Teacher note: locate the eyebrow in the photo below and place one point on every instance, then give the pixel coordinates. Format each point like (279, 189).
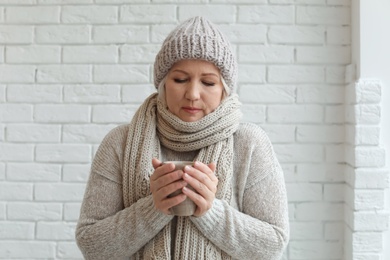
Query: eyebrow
(203, 74)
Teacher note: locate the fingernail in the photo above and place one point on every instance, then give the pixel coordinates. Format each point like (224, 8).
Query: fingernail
(187, 167)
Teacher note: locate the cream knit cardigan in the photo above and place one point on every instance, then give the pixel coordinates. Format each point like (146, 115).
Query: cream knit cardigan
(253, 226)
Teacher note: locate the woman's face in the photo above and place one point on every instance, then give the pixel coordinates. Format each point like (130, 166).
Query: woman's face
(193, 89)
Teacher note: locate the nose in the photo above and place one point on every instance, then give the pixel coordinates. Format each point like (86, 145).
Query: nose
(193, 90)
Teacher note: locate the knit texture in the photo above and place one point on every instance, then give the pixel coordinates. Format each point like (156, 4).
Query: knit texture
(253, 225)
(212, 135)
(197, 38)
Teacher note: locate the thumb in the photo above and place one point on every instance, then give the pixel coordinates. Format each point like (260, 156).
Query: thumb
(156, 163)
(212, 166)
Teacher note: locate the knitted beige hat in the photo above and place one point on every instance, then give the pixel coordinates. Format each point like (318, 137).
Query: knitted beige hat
(197, 38)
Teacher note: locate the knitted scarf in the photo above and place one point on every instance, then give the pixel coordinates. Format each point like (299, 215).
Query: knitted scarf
(212, 135)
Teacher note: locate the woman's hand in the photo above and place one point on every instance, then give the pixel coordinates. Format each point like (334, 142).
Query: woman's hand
(164, 181)
(202, 178)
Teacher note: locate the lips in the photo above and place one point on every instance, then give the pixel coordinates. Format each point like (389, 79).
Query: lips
(191, 110)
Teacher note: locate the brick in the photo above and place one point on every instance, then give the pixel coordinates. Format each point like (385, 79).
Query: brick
(32, 172)
(323, 15)
(34, 211)
(324, 55)
(216, 14)
(72, 211)
(335, 114)
(339, 2)
(280, 133)
(34, 93)
(365, 92)
(160, 31)
(361, 200)
(287, 153)
(335, 153)
(1, 14)
(252, 73)
(136, 93)
(2, 93)
(17, 2)
(90, 54)
(121, 1)
(16, 152)
(16, 113)
(315, 249)
(2, 171)
(17, 73)
(33, 14)
(239, 1)
(76, 172)
(306, 230)
(366, 156)
(253, 113)
(367, 221)
(62, 113)
(295, 74)
(367, 242)
(62, 34)
(295, 114)
(363, 114)
(2, 211)
(68, 250)
(303, 192)
(89, 14)
(27, 249)
(311, 2)
(85, 133)
(363, 135)
(121, 74)
(33, 133)
(2, 48)
(12, 191)
(245, 33)
(33, 54)
(334, 231)
(137, 13)
(265, 94)
(139, 53)
(266, 54)
(77, 153)
(321, 94)
(92, 93)
(367, 178)
(320, 133)
(120, 34)
(335, 75)
(268, 14)
(16, 231)
(291, 211)
(294, 34)
(338, 35)
(113, 113)
(59, 192)
(11, 34)
(64, 73)
(334, 192)
(78, 2)
(319, 211)
(55, 231)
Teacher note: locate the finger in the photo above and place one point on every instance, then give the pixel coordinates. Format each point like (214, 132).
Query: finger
(198, 179)
(161, 170)
(156, 163)
(168, 178)
(202, 205)
(212, 166)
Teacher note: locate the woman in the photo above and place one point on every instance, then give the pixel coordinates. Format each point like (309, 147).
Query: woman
(239, 192)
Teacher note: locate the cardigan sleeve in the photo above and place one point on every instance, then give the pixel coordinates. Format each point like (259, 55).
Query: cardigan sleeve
(107, 230)
(259, 229)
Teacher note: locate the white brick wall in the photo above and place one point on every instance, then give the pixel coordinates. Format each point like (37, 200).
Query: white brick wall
(72, 70)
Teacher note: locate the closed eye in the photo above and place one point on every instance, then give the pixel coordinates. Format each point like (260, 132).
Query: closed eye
(180, 80)
(209, 84)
